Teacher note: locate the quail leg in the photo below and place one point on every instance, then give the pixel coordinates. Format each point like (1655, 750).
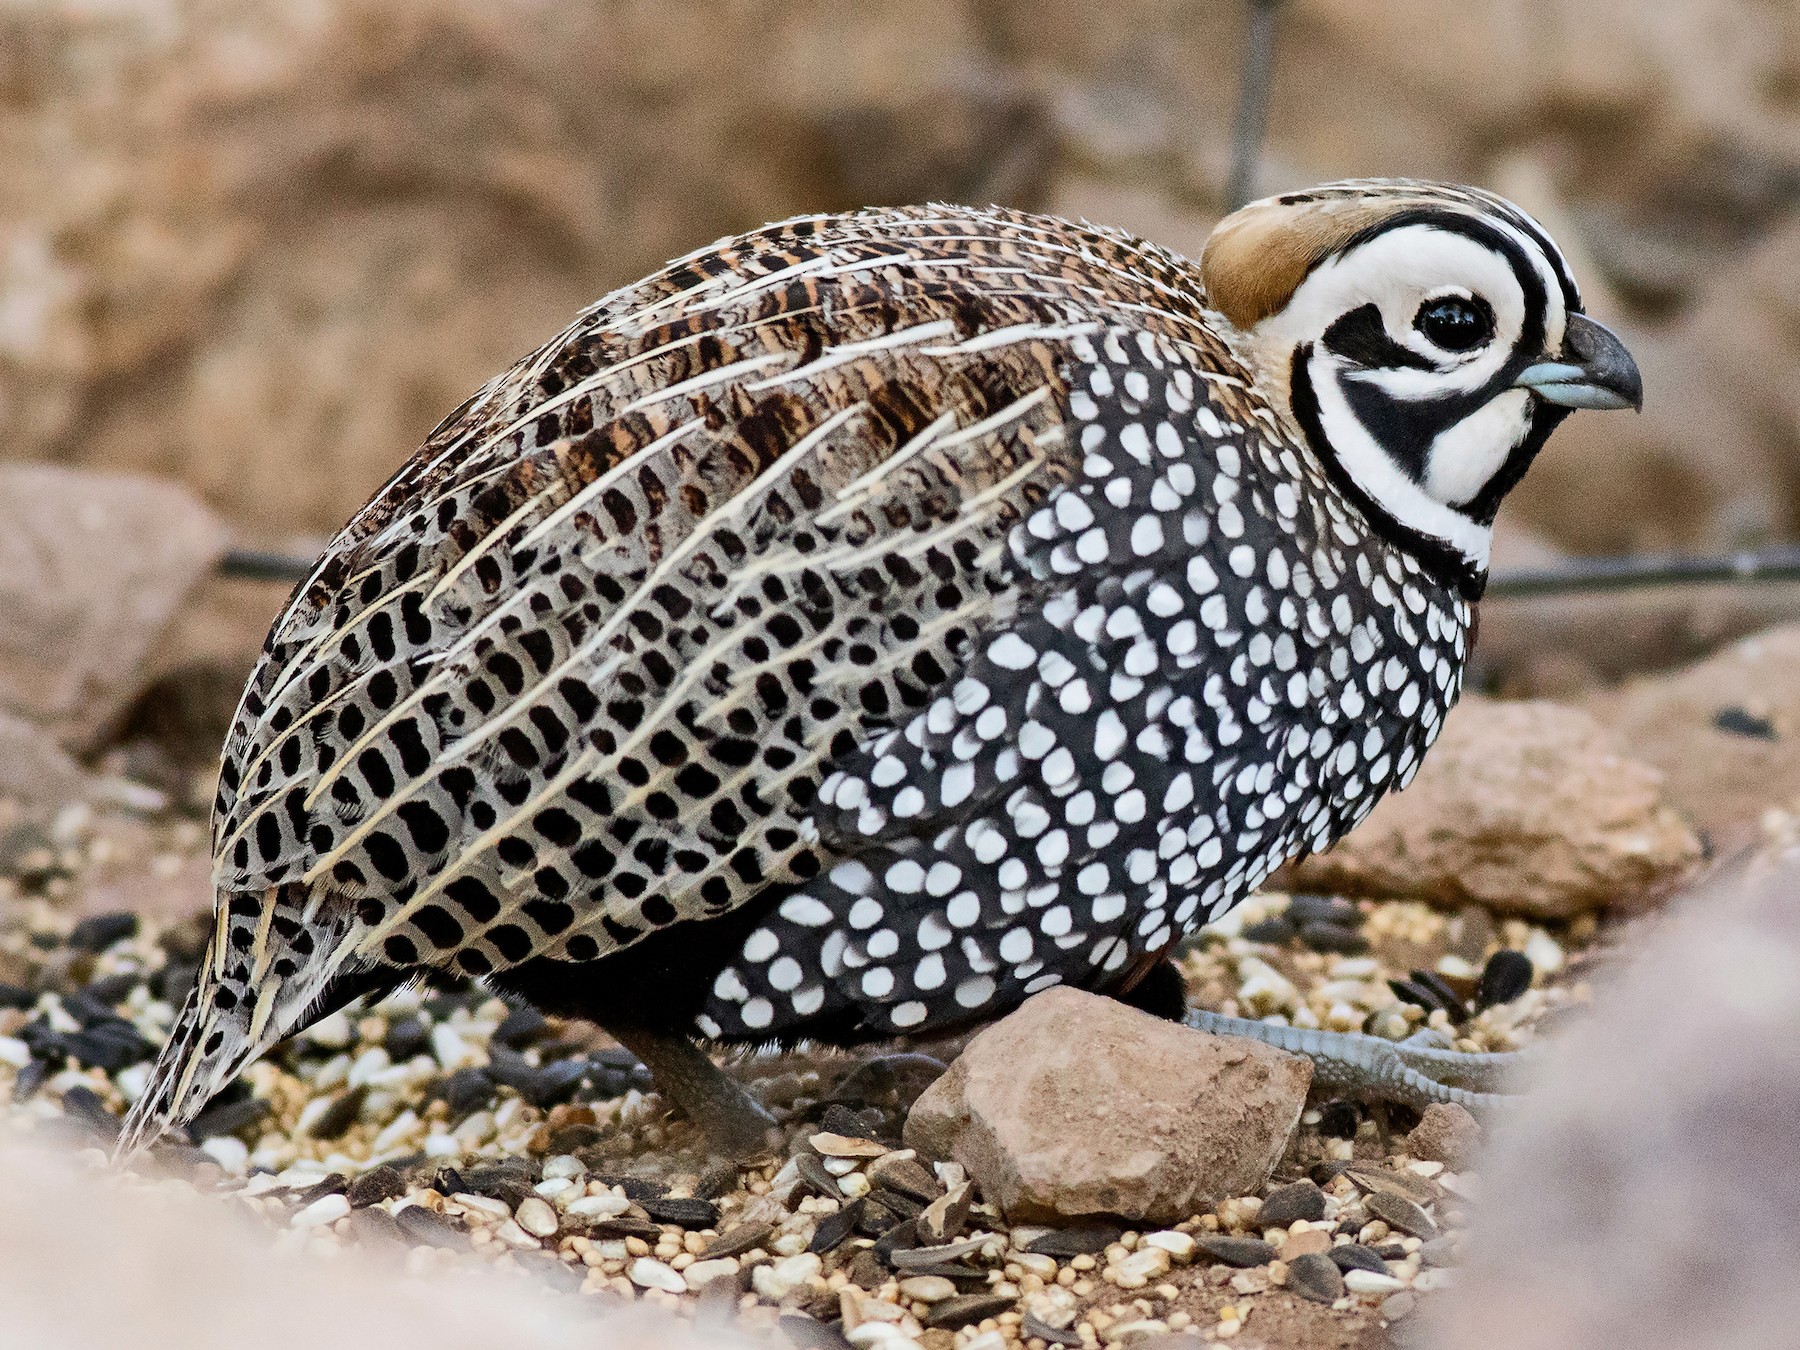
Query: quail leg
(735, 1125)
(1377, 1070)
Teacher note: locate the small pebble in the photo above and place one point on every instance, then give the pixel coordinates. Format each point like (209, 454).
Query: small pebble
(845, 1146)
(648, 1273)
(927, 1288)
(483, 1206)
(774, 1282)
(1315, 1276)
(514, 1236)
(1178, 1245)
(702, 1273)
(232, 1154)
(563, 1166)
(1368, 1282)
(960, 1312)
(1285, 1204)
(596, 1207)
(1141, 1267)
(537, 1216)
(327, 1209)
(1235, 1251)
(1396, 1211)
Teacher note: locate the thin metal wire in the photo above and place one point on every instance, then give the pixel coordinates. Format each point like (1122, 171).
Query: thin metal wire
(1579, 575)
(1253, 103)
(249, 564)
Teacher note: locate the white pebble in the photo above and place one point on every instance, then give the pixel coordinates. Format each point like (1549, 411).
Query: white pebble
(327, 1209)
(232, 1154)
(854, 1185)
(879, 1336)
(1178, 1245)
(395, 1134)
(606, 1206)
(1368, 1282)
(1142, 1266)
(333, 1032)
(1542, 951)
(368, 1065)
(536, 1216)
(514, 1236)
(452, 1051)
(775, 1282)
(132, 1082)
(703, 1273)
(647, 1273)
(483, 1206)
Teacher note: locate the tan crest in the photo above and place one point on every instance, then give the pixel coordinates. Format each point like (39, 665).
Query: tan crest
(1257, 257)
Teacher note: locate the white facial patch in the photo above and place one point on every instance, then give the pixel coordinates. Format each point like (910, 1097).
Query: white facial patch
(1385, 483)
(1464, 457)
(1399, 272)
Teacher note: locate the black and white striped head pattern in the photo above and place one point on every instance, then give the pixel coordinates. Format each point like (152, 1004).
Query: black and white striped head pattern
(1429, 337)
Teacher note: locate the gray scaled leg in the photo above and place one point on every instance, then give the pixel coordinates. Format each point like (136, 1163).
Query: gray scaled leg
(735, 1124)
(1372, 1069)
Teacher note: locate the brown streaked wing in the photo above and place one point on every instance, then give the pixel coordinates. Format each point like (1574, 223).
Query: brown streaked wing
(574, 673)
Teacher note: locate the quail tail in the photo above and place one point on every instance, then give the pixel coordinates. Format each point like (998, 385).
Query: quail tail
(268, 971)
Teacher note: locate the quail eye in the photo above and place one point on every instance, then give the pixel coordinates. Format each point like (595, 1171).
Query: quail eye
(1454, 323)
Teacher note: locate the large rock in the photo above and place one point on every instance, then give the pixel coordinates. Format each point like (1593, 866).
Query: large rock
(1649, 1196)
(35, 771)
(1725, 733)
(1077, 1105)
(92, 568)
(1528, 808)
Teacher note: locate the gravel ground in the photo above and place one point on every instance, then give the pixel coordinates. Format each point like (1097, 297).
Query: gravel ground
(446, 1126)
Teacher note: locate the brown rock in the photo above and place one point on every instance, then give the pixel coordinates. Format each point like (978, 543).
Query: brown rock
(1077, 1105)
(1529, 808)
(1446, 1133)
(34, 770)
(1312, 1242)
(92, 568)
(1723, 732)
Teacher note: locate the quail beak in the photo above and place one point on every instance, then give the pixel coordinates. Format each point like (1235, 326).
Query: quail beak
(1594, 371)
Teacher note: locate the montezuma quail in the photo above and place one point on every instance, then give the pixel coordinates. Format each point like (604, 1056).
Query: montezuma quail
(865, 623)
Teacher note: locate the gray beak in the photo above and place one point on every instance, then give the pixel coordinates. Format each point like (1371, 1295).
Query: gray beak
(1595, 371)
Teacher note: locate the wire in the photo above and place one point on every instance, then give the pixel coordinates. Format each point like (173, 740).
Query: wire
(249, 564)
(1589, 575)
(1253, 103)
